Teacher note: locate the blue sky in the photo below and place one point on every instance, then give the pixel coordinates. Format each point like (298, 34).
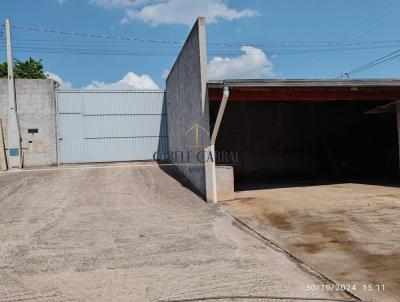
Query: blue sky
(251, 22)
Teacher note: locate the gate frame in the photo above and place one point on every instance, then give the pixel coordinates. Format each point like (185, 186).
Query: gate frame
(72, 90)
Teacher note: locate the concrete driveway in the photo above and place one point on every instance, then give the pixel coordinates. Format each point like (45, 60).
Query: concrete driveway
(132, 233)
(349, 232)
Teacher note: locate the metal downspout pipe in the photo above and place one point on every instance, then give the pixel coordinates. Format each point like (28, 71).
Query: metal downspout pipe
(211, 149)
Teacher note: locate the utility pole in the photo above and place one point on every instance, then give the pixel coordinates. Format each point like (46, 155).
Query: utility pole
(14, 135)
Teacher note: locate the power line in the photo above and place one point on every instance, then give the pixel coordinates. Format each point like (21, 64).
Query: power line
(291, 44)
(54, 31)
(84, 43)
(375, 62)
(90, 49)
(1, 31)
(90, 45)
(369, 24)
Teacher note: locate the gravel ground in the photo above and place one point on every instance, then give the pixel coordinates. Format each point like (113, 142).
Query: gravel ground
(132, 233)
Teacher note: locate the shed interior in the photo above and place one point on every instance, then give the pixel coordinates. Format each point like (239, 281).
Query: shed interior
(312, 140)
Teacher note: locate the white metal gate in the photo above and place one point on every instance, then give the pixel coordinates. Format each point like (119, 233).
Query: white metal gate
(106, 126)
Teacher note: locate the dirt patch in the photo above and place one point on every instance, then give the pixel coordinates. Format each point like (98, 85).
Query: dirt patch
(308, 247)
(349, 233)
(376, 268)
(245, 200)
(281, 221)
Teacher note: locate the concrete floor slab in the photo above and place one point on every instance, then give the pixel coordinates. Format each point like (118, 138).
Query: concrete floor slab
(132, 233)
(347, 231)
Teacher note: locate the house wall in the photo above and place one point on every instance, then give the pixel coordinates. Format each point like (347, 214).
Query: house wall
(36, 109)
(187, 105)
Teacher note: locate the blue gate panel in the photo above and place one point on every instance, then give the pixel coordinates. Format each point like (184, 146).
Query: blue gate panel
(122, 149)
(125, 126)
(70, 140)
(106, 126)
(128, 102)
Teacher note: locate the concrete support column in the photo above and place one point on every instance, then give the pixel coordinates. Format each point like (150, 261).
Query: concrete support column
(398, 126)
(14, 135)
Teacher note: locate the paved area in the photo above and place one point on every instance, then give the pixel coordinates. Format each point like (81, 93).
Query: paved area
(349, 232)
(132, 233)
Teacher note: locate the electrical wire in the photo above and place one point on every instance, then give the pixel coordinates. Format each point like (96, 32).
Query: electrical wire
(123, 51)
(133, 46)
(380, 62)
(54, 31)
(375, 62)
(1, 31)
(123, 48)
(291, 44)
(372, 44)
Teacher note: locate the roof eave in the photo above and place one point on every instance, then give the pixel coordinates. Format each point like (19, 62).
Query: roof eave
(302, 83)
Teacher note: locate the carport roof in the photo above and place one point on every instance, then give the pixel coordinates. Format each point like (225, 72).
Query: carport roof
(303, 83)
(307, 90)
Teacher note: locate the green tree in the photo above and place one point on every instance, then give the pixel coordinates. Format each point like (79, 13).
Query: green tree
(3, 70)
(30, 69)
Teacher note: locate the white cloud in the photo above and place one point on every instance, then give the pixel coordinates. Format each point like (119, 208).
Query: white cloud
(116, 3)
(61, 2)
(129, 81)
(185, 12)
(157, 12)
(63, 84)
(165, 74)
(253, 64)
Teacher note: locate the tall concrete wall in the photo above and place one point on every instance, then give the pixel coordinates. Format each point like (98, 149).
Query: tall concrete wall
(36, 110)
(187, 105)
